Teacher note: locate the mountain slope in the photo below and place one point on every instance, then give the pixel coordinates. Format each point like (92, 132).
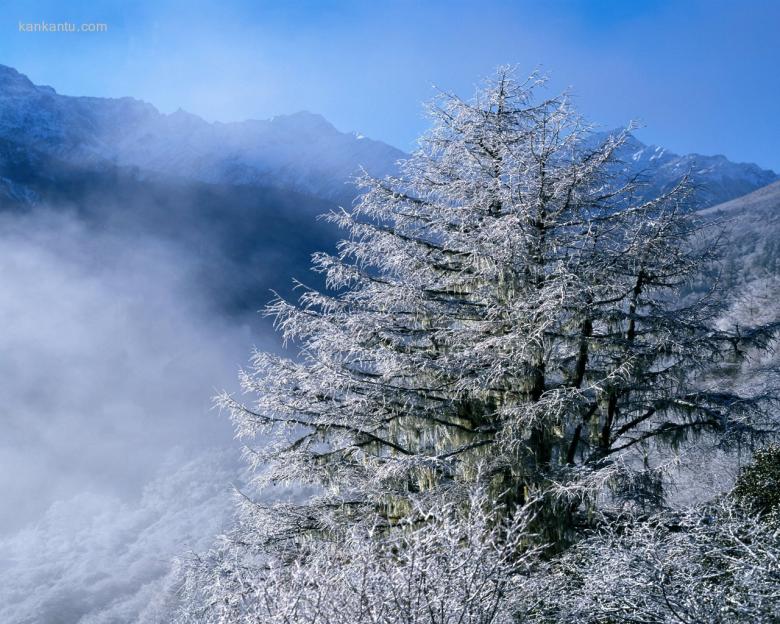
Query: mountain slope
(752, 227)
(764, 202)
(243, 240)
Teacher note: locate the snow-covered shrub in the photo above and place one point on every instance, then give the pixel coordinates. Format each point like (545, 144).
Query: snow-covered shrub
(717, 563)
(441, 565)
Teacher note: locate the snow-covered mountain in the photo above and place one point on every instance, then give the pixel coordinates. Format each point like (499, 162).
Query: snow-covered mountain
(715, 178)
(301, 152)
(242, 196)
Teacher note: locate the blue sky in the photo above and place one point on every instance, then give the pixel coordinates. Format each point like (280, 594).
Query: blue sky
(702, 75)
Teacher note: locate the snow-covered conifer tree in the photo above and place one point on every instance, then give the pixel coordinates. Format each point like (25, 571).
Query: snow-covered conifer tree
(504, 311)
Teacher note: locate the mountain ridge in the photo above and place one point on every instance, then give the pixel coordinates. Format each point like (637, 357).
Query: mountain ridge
(715, 179)
(301, 151)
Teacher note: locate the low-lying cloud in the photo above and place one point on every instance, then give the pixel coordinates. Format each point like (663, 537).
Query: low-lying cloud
(102, 558)
(111, 459)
